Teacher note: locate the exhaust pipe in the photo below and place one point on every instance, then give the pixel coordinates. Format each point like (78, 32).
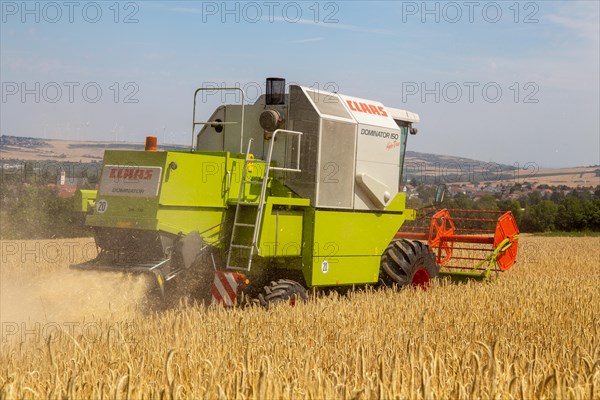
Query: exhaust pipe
(275, 91)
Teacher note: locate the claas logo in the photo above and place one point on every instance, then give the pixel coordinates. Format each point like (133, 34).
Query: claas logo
(367, 108)
(131, 174)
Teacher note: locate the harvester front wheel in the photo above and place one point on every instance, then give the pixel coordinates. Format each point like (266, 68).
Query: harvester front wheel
(283, 290)
(407, 262)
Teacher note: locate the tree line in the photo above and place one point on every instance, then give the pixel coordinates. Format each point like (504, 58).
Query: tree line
(564, 210)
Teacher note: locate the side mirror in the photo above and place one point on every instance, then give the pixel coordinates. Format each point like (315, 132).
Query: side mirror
(440, 192)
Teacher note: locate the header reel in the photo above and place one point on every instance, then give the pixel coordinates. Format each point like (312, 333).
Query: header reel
(470, 244)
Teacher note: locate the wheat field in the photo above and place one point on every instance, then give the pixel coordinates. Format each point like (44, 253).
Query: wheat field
(532, 332)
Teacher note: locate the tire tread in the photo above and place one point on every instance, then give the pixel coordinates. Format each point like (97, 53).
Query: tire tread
(402, 258)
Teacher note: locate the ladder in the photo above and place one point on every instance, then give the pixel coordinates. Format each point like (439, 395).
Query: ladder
(248, 250)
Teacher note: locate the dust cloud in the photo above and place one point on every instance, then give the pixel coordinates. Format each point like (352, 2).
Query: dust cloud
(72, 296)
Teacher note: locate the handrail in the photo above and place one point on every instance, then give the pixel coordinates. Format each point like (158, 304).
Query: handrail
(286, 132)
(194, 123)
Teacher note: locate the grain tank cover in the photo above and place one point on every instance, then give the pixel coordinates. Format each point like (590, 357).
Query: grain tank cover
(352, 150)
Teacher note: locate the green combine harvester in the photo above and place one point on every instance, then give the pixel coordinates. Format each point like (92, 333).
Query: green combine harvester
(295, 191)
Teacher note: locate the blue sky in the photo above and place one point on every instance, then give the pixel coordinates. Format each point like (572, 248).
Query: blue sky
(542, 56)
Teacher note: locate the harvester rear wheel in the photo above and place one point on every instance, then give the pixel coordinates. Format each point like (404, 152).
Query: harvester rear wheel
(407, 262)
(283, 290)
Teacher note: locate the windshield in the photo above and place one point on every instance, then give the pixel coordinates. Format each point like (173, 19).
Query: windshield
(404, 127)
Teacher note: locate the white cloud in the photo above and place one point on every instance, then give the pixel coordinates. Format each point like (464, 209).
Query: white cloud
(331, 25)
(580, 17)
(566, 57)
(302, 21)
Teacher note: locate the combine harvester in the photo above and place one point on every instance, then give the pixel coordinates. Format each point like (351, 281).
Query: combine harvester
(298, 190)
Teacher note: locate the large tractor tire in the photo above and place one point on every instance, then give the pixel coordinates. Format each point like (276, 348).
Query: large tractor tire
(407, 262)
(283, 290)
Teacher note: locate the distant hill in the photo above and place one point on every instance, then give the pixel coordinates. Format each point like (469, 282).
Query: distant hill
(436, 159)
(18, 141)
(22, 148)
(435, 168)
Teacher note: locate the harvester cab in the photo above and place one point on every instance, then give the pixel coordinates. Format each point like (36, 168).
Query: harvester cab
(297, 190)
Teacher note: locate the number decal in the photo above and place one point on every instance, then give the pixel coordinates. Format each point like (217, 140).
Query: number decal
(101, 206)
(324, 267)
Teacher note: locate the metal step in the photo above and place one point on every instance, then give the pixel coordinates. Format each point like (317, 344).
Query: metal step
(244, 225)
(241, 246)
(286, 169)
(253, 182)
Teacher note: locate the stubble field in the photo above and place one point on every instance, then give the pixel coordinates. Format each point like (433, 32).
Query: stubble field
(533, 332)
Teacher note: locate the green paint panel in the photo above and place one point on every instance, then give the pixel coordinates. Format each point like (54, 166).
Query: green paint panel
(344, 270)
(83, 200)
(281, 233)
(123, 210)
(191, 197)
(122, 222)
(356, 233)
(126, 207)
(398, 204)
(207, 221)
(198, 180)
(352, 244)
